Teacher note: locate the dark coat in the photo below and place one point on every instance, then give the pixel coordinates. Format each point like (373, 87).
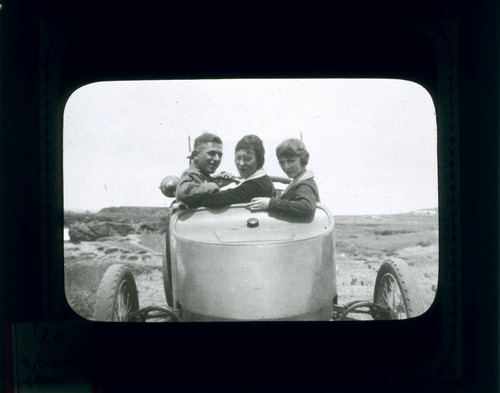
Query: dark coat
(259, 187)
(193, 185)
(299, 201)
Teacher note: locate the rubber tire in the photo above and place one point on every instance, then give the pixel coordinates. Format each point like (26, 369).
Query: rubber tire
(408, 287)
(167, 262)
(167, 265)
(167, 284)
(108, 293)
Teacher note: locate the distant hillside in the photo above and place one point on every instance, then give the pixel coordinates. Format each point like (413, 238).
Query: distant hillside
(123, 214)
(425, 212)
(150, 215)
(135, 211)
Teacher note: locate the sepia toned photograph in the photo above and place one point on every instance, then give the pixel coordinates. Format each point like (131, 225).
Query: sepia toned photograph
(250, 200)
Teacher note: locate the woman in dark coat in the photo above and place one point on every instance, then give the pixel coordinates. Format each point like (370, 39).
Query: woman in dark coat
(298, 200)
(249, 160)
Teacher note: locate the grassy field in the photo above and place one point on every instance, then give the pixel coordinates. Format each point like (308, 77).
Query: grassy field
(380, 236)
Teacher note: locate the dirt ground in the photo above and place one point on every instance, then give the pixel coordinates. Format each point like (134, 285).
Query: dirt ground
(360, 250)
(86, 262)
(356, 276)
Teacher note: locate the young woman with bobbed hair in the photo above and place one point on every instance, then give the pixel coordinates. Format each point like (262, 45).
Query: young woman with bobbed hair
(298, 200)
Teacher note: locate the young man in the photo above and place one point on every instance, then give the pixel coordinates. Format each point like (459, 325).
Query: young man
(194, 184)
(196, 181)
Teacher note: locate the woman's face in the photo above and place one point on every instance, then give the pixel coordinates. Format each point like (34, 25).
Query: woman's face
(291, 166)
(246, 162)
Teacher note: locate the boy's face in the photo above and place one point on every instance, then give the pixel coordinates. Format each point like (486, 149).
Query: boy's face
(291, 166)
(208, 157)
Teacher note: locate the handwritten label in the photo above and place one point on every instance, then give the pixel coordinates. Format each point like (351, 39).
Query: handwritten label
(48, 357)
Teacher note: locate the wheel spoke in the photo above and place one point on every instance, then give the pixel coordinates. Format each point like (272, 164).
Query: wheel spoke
(123, 302)
(392, 298)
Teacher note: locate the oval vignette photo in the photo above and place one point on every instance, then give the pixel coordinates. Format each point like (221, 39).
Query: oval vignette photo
(250, 200)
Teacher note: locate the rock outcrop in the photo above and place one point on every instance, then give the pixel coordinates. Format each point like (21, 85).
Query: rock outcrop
(90, 231)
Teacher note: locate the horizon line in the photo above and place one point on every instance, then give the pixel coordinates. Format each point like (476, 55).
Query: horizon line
(71, 210)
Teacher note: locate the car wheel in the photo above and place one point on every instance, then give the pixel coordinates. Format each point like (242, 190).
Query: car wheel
(117, 295)
(166, 270)
(396, 291)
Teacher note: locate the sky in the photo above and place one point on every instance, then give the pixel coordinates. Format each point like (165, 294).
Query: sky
(372, 142)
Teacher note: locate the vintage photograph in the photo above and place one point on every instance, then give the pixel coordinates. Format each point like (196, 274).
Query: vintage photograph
(250, 200)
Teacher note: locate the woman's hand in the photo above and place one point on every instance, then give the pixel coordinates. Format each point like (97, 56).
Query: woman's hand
(224, 178)
(258, 204)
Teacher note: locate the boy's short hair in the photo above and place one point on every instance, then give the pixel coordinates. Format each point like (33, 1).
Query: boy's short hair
(252, 142)
(206, 137)
(293, 148)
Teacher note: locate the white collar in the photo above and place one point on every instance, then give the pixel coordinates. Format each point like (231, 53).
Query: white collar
(303, 176)
(258, 173)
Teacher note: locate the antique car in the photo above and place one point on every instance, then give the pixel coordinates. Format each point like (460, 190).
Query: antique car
(233, 264)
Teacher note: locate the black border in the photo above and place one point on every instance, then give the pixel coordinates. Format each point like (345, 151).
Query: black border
(48, 51)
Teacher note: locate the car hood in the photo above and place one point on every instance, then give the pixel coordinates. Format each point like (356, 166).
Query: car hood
(236, 225)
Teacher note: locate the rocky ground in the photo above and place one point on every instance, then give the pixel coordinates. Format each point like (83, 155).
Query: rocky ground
(362, 245)
(86, 262)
